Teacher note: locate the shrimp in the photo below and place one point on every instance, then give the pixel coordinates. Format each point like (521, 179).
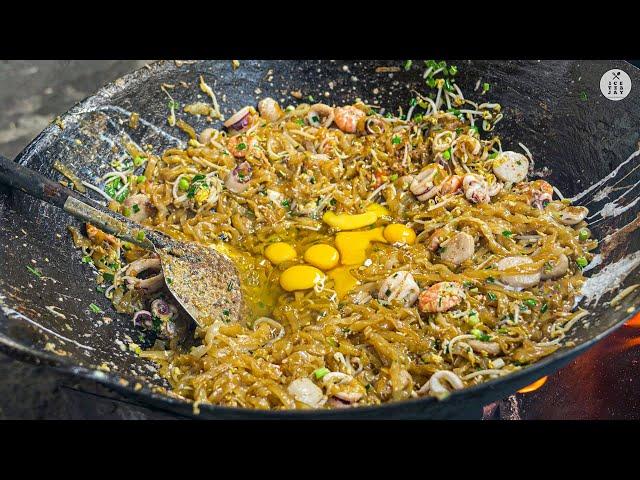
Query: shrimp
(269, 109)
(347, 118)
(98, 236)
(239, 146)
(440, 297)
(451, 184)
(538, 193)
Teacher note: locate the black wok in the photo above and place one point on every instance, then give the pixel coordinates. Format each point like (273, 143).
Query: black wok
(554, 107)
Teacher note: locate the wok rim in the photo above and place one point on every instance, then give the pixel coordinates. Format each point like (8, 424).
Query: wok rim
(419, 406)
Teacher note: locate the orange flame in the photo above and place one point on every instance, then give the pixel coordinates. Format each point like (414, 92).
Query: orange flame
(634, 322)
(534, 386)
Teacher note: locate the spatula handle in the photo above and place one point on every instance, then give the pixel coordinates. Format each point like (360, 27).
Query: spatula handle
(37, 185)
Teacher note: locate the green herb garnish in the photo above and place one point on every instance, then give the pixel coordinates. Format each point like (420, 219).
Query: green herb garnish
(583, 234)
(407, 64)
(35, 271)
(492, 296)
(95, 309)
(581, 262)
(396, 140)
(507, 233)
(320, 372)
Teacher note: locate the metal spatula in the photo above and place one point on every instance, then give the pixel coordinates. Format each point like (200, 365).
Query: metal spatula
(202, 280)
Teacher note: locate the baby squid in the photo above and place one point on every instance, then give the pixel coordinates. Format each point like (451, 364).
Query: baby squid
(320, 115)
(476, 189)
(423, 185)
(538, 193)
(440, 297)
(140, 207)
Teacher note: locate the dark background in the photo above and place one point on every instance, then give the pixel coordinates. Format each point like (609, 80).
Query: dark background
(603, 383)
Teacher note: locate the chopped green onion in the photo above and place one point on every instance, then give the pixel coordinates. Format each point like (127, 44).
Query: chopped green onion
(407, 64)
(491, 280)
(183, 184)
(396, 140)
(583, 234)
(507, 233)
(530, 302)
(472, 318)
(447, 154)
(242, 146)
(320, 372)
(140, 236)
(87, 259)
(581, 262)
(431, 82)
(137, 161)
(485, 87)
(393, 177)
(492, 296)
(493, 155)
(413, 102)
(126, 211)
(136, 208)
(142, 179)
(480, 335)
(285, 203)
(95, 309)
(300, 122)
(583, 96)
(544, 308)
(311, 98)
(453, 70)
(35, 271)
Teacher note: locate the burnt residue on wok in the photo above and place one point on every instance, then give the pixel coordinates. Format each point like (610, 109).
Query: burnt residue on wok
(580, 142)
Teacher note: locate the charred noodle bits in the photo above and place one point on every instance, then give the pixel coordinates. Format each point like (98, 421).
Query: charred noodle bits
(382, 257)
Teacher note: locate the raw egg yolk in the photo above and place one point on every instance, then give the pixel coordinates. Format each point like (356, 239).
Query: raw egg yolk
(346, 221)
(378, 209)
(323, 256)
(280, 252)
(343, 281)
(398, 233)
(353, 245)
(301, 277)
